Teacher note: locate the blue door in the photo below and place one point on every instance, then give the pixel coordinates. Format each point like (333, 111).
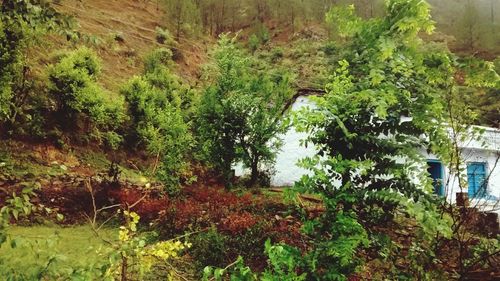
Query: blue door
(435, 169)
(476, 175)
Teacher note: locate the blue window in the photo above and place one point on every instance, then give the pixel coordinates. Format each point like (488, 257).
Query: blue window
(435, 170)
(476, 177)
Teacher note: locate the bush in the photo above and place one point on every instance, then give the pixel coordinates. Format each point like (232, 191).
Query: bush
(209, 248)
(163, 36)
(73, 86)
(157, 59)
(263, 34)
(253, 43)
(160, 107)
(276, 54)
(112, 140)
(238, 223)
(330, 49)
(148, 209)
(160, 126)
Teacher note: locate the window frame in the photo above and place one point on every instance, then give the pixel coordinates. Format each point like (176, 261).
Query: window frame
(477, 194)
(441, 191)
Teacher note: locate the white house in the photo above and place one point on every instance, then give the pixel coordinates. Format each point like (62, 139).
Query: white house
(481, 160)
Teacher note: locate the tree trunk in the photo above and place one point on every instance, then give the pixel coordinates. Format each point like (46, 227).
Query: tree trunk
(254, 172)
(179, 21)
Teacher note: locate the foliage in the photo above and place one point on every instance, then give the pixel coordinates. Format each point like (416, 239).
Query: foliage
(240, 112)
(209, 248)
(368, 128)
(235, 224)
(253, 43)
(78, 97)
(283, 262)
(183, 16)
(203, 207)
(163, 36)
(21, 22)
(51, 253)
(15, 209)
(148, 208)
(160, 107)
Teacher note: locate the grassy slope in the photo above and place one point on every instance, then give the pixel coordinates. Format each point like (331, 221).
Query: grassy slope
(135, 23)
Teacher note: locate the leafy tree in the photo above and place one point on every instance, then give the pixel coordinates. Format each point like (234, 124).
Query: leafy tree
(240, 112)
(77, 95)
(160, 107)
(384, 96)
(20, 23)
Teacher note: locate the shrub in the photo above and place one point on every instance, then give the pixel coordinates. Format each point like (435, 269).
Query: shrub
(163, 36)
(209, 248)
(118, 37)
(182, 216)
(22, 23)
(263, 34)
(330, 48)
(149, 208)
(238, 223)
(73, 86)
(253, 43)
(112, 140)
(276, 54)
(160, 107)
(157, 59)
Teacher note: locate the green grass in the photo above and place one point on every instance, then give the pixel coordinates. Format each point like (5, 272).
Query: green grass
(34, 246)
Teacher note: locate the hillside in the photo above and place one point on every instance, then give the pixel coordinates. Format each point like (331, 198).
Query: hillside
(122, 33)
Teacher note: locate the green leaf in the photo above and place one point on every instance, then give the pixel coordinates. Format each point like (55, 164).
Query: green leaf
(3, 238)
(15, 213)
(218, 273)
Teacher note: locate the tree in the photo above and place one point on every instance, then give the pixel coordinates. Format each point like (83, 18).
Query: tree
(470, 22)
(20, 23)
(80, 101)
(183, 14)
(384, 96)
(240, 112)
(160, 107)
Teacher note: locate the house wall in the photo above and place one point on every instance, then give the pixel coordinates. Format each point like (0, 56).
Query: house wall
(490, 157)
